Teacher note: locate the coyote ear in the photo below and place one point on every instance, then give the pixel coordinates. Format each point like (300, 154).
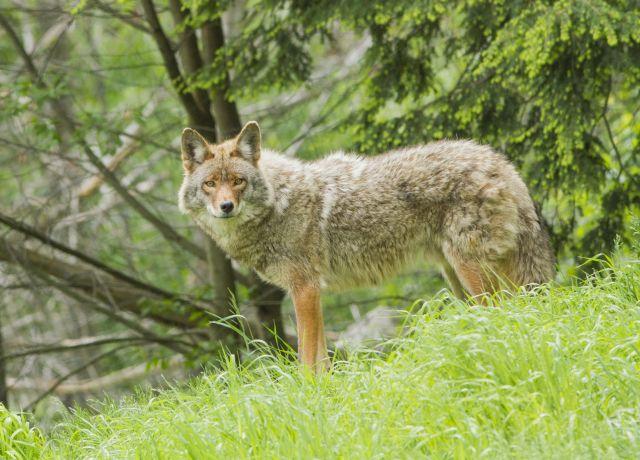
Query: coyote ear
(195, 149)
(248, 142)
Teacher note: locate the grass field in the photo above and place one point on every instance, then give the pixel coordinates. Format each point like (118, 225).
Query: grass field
(555, 374)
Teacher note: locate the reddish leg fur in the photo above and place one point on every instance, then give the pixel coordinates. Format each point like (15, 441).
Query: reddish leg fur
(463, 275)
(312, 347)
(478, 279)
(474, 277)
(470, 275)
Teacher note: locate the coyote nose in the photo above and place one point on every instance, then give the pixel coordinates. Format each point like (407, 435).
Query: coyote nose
(226, 206)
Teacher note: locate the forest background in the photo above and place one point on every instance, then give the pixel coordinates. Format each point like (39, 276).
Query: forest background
(104, 285)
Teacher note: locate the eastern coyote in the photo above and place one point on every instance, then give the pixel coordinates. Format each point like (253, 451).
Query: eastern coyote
(347, 220)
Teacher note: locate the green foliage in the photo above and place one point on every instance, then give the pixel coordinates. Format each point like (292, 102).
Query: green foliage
(269, 52)
(552, 84)
(18, 440)
(549, 372)
(541, 81)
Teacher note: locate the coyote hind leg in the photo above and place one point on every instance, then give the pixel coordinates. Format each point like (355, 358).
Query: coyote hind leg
(476, 277)
(472, 278)
(452, 278)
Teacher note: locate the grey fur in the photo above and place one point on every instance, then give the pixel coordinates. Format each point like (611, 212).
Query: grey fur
(347, 220)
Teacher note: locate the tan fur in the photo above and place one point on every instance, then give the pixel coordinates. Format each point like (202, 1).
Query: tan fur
(347, 220)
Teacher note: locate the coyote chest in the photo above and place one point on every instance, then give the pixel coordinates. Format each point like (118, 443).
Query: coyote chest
(244, 243)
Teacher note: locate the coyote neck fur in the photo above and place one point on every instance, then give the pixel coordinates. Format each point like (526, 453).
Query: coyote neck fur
(271, 235)
(240, 239)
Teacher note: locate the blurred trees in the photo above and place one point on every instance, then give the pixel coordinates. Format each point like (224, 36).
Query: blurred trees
(94, 96)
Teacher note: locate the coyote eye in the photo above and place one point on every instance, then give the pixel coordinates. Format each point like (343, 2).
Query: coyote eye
(210, 183)
(239, 181)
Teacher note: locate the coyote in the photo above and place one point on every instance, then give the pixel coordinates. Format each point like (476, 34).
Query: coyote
(348, 220)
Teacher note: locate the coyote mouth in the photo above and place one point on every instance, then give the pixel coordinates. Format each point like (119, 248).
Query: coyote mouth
(212, 212)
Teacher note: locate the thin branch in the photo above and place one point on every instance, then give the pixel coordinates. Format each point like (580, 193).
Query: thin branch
(118, 377)
(129, 144)
(73, 372)
(130, 20)
(607, 126)
(84, 343)
(168, 232)
(59, 30)
(312, 121)
(617, 152)
(30, 231)
(113, 314)
(13, 36)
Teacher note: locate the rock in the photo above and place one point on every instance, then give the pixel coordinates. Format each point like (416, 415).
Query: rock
(379, 324)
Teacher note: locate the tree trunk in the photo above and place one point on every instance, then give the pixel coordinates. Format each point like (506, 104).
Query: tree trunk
(196, 104)
(268, 301)
(224, 110)
(4, 397)
(266, 298)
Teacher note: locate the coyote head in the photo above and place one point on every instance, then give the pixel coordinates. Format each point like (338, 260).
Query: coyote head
(223, 180)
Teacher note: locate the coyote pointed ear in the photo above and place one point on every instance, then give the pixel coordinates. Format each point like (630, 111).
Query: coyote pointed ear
(248, 142)
(195, 149)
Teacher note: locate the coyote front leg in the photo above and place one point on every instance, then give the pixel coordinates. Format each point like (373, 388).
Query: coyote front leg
(312, 348)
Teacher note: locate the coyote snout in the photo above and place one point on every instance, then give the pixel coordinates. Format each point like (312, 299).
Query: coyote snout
(224, 195)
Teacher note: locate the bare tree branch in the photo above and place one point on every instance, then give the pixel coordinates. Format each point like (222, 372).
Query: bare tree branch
(129, 140)
(99, 285)
(90, 302)
(120, 377)
(76, 344)
(168, 232)
(70, 374)
(131, 20)
(34, 233)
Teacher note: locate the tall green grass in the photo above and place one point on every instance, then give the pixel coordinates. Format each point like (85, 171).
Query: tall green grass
(18, 439)
(550, 374)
